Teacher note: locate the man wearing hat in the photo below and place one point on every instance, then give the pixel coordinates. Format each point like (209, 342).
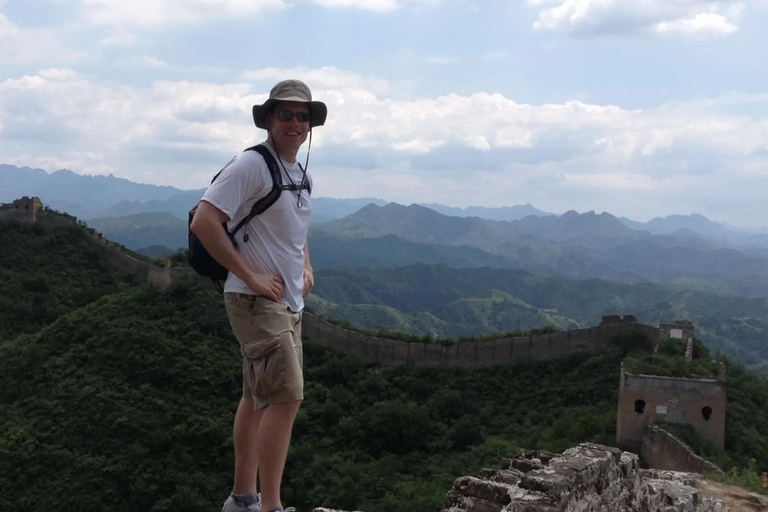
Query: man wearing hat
(269, 275)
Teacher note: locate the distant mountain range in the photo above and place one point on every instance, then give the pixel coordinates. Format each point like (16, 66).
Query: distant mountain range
(438, 299)
(685, 251)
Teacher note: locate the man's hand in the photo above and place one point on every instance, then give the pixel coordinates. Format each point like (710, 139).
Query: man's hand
(309, 280)
(267, 285)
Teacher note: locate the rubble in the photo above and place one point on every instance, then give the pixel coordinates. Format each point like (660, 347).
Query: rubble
(588, 477)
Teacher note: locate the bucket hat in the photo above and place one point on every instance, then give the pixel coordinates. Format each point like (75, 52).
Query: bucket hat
(290, 90)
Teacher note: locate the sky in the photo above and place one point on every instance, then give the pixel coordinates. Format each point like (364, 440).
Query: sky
(641, 108)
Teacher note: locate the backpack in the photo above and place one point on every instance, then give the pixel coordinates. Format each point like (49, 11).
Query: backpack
(199, 258)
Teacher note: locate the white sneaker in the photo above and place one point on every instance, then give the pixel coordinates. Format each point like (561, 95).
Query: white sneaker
(232, 506)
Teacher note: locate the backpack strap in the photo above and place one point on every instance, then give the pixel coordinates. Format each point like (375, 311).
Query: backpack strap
(272, 196)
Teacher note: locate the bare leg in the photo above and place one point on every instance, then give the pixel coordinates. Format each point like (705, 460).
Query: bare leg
(272, 446)
(245, 432)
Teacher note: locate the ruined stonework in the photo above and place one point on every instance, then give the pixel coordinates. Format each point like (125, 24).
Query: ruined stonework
(680, 330)
(25, 209)
(662, 450)
(648, 399)
(618, 319)
(588, 477)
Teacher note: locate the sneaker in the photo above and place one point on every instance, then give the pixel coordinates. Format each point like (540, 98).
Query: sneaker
(232, 506)
(289, 509)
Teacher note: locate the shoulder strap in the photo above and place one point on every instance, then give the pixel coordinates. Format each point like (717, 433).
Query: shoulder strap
(272, 196)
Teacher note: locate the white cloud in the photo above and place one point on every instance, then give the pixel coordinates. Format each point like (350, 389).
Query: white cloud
(157, 13)
(124, 15)
(692, 18)
(19, 45)
(371, 5)
(571, 154)
(325, 77)
(143, 61)
(703, 24)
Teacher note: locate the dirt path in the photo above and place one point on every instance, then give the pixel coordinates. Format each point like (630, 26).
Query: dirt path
(735, 498)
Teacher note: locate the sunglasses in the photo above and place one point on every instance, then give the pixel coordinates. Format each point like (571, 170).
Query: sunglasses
(287, 115)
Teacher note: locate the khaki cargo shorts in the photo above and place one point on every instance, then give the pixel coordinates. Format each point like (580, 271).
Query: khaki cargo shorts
(270, 340)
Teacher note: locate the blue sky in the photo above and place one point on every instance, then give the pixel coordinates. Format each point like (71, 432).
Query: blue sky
(641, 108)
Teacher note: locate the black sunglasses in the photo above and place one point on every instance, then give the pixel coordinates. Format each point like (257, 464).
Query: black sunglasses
(287, 115)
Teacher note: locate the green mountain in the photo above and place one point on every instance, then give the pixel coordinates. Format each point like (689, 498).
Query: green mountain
(122, 399)
(143, 230)
(468, 301)
(575, 246)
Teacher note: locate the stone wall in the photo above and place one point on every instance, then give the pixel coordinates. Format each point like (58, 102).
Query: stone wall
(588, 477)
(479, 353)
(662, 450)
(648, 399)
(470, 353)
(25, 209)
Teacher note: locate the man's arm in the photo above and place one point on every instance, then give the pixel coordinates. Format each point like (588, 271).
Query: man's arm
(206, 224)
(309, 274)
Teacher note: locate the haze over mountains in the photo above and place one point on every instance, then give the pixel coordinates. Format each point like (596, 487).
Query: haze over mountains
(685, 251)
(416, 269)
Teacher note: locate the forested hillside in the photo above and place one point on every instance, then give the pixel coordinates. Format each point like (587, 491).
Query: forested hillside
(125, 402)
(441, 301)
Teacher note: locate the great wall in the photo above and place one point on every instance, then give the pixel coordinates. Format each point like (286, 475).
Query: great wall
(588, 477)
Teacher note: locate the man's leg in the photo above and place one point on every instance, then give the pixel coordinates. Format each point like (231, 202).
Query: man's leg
(272, 446)
(245, 432)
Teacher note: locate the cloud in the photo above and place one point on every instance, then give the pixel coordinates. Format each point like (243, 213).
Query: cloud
(20, 45)
(157, 13)
(690, 18)
(142, 61)
(324, 77)
(371, 5)
(479, 148)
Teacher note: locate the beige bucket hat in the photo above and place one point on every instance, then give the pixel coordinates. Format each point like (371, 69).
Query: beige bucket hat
(290, 90)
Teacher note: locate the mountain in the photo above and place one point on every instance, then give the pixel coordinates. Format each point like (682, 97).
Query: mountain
(703, 227)
(505, 213)
(118, 396)
(177, 205)
(422, 224)
(485, 300)
(143, 230)
(393, 251)
(89, 197)
(571, 246)
(92, 192)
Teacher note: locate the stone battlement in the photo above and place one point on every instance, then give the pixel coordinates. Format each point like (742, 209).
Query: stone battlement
(588, 477)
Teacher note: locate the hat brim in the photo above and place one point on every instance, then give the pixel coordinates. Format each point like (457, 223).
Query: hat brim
(318, 110)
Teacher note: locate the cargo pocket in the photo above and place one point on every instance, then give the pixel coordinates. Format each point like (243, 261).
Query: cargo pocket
(255, 354)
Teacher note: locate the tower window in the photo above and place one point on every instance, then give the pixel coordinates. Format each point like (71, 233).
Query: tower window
(706, 413)
(639, 406)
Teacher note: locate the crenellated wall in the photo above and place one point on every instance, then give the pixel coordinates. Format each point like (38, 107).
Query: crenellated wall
(538, 347)
(478, 353)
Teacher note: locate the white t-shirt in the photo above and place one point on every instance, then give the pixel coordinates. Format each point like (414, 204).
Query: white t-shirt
(277, 237)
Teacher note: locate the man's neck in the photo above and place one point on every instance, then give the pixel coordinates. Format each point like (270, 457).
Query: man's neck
(286, 155)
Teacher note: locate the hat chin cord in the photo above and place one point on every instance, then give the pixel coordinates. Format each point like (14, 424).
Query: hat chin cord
(271, 140)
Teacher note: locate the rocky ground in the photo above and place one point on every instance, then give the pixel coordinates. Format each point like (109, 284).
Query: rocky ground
(735, 498)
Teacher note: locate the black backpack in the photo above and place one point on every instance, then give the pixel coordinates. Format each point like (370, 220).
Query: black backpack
(199, 258)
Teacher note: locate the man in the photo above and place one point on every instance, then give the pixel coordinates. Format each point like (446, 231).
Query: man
(270, 274)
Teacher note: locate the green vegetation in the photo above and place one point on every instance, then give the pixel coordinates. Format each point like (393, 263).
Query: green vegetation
(118, 396)
(446, 302)
(129, 401)
(671, 366)
(46, 272)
